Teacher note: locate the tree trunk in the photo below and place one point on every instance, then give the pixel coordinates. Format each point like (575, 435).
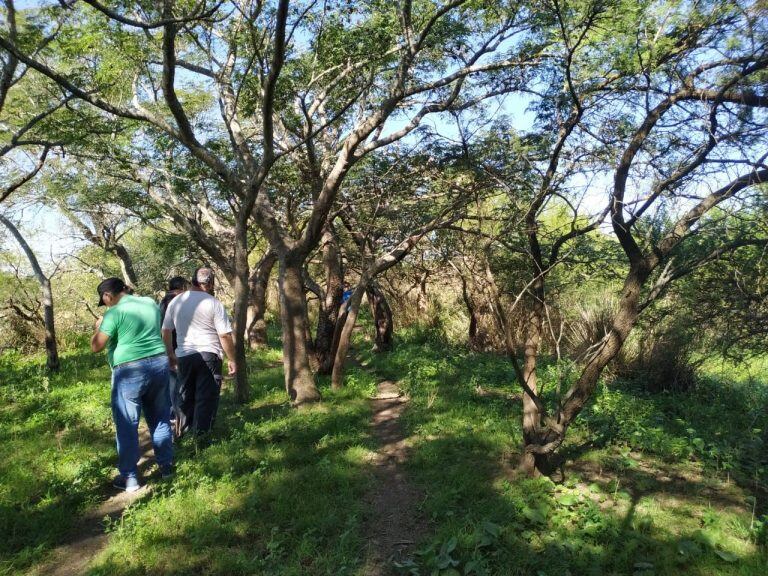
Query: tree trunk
(126, 265)
(530, 463)
(623, 322)
(382, 317)
(337, 376)
(471, 311)
(51, 348)
(258, 287)
(299, 382)
(542, 446)
(328, 311)
(421, 298)
(240, 314)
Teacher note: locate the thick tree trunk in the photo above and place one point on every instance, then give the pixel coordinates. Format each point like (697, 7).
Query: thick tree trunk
(345, 336)
(328, 312)
(310, 344)
(530, 463)
(51, 348)
(240, 315)
(299, 382)
(382, 317)
(258, 287)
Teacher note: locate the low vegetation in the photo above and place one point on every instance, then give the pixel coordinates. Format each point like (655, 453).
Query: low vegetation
(651, 483)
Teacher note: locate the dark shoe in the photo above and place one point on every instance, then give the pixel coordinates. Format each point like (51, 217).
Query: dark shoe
(166, 471)
(128, 484)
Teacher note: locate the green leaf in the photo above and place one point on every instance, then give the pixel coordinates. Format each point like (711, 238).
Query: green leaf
(535, 515)
(449, 546)
(568, 499)
(688, 549)
(727, 556)
(491, 528)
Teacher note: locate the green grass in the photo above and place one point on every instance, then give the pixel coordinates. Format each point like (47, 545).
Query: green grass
(647, 493)
(275, 491)
(56, 450)
(279, 491)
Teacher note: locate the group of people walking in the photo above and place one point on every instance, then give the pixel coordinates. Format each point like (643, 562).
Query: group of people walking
(166, 362)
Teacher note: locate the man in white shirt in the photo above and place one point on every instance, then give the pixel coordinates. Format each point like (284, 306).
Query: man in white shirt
(203, 334)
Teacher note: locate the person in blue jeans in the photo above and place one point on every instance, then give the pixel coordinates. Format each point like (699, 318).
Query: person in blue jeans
(130, 331)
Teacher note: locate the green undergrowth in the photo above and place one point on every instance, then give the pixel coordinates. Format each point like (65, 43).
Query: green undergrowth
(646, 490)
(653, 484)
(56, 450)
(273, 491)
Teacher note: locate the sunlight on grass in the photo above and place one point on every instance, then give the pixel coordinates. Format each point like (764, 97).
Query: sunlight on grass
(56, 450)
(655, 484)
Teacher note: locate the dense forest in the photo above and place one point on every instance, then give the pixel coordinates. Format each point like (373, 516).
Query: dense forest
(497, 273)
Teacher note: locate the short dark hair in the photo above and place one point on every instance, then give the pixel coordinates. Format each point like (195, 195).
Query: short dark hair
(177, 283)
(203, 275)
(112, 285)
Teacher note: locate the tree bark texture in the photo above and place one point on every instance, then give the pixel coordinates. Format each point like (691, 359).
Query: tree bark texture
(337, 376)
(126, 264)
(299, 382)
(540, 447)
(530, 463)
(382, 317)
(51, 348)
(257, 305)
(471, 311)
(328, 311)
(422, 299)
(240, 315)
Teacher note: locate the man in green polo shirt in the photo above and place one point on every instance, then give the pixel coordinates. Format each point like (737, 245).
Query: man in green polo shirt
(130, 331)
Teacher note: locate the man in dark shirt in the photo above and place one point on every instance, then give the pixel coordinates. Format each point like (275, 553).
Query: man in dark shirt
(176, 286)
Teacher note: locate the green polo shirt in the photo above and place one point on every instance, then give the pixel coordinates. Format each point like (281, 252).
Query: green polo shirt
(133, 327)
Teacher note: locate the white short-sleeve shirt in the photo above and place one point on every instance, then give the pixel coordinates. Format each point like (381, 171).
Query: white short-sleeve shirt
(198, 319)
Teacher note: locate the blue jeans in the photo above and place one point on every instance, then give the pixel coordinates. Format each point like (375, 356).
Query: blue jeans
(136, 386)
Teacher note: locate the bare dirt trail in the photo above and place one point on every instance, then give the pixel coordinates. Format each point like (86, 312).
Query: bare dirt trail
(395, 523)
(88, 537)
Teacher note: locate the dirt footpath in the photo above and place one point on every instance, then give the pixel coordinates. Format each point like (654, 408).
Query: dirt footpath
(395, 523)
(88, 537)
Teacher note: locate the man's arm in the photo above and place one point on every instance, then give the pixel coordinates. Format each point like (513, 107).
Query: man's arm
(168, 341)
(228, 343)
(99, 339)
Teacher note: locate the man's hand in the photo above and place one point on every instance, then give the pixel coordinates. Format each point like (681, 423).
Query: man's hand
(229, 349)
(99, 339)
(173, 362)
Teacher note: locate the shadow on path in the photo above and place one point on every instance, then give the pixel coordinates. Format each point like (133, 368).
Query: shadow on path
(88, 536)
(395, 523)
